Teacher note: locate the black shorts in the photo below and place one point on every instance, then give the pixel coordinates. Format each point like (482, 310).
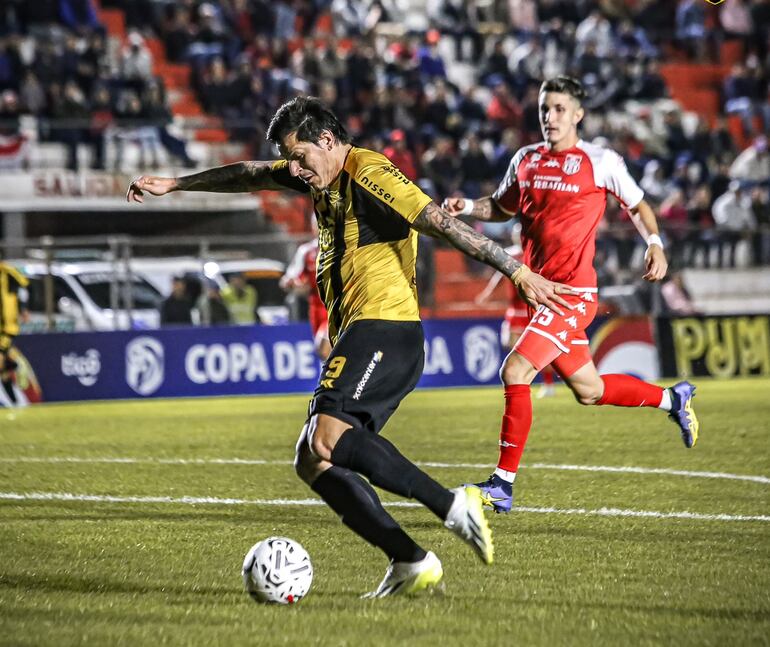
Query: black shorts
(371, 368)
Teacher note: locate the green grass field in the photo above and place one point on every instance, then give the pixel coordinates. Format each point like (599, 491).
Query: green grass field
(166, 571)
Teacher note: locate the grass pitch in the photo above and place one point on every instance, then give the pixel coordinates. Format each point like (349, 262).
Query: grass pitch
(142, 569)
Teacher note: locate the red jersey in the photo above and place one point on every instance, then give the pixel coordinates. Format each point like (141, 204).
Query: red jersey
(560, 198)
(302, 271)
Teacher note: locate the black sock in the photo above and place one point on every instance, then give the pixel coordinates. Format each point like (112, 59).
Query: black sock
(357, 504)
(378, 460)
(8, 386)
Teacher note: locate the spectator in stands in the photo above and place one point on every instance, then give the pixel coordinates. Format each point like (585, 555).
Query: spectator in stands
(135, 63)
(734, 219)
(79, 15)
(495, 65)
(241, 300)
(398, 153)
(753, 163)
(72, 115)
(11, 63)
(158, 116)
(744, 95)
(176, 309)
(735, 18)
(760, 206)
(691, 27)
(429, 61)
(676, 297)
(32, 94)
(178, 31)
(475, 166)
(210, 307)
(14, 154)
(702, 236)
(442, 167)
(503, 110)
(132, 127)
(458, 19)
(594, 30)
(674, 220)
(101, 120)
(522, 16)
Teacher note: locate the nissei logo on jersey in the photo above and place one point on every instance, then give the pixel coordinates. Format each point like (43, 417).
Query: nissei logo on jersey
(376, 189)
(397, 174)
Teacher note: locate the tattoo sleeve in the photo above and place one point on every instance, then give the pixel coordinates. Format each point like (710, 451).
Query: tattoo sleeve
(232, 178)
(486, 209)
(434, 221)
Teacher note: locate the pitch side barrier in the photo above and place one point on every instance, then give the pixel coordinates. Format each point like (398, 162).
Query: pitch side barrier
(183, 362)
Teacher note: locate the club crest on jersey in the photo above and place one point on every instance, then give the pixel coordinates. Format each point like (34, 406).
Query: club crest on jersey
(572, 164)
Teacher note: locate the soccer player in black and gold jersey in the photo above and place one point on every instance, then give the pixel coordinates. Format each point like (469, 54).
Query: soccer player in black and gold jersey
(369, 215)
(12, 290)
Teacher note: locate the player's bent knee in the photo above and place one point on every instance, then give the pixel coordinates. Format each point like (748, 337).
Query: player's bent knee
(322, 435)
(588, 397)
(516, 371)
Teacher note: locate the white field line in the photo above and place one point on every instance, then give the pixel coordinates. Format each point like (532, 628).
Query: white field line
(629, 469)
(190, 500)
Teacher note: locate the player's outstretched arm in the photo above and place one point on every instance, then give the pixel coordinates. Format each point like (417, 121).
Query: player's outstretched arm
(485, 209)
(434, 221)
(231, 178)
(655, 262)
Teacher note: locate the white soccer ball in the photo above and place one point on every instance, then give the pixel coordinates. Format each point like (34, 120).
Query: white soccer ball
(277, 570)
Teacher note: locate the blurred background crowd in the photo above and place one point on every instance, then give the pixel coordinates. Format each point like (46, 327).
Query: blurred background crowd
(447, 89)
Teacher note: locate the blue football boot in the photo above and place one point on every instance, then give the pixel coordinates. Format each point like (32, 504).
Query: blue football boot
(682, 412)
(496, 493)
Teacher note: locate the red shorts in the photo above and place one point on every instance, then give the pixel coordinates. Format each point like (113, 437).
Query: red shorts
(319, 321)
(550, 338)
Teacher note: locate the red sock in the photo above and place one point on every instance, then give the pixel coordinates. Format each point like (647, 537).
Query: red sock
(517, 421)
(628, 391)
(547, 376)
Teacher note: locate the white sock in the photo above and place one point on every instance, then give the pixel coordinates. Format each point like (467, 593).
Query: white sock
(665, 402)
(508, 477)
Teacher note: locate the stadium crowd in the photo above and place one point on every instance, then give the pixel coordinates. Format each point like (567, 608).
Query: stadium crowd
(454, 132)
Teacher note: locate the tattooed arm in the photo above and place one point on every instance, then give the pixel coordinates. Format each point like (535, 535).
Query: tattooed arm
(485, 209)
(232, 178)
(434, 221)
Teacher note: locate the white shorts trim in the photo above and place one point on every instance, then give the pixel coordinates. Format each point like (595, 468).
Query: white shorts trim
(548, 336)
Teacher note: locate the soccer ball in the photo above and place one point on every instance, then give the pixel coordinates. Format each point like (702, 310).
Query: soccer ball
(277, 570)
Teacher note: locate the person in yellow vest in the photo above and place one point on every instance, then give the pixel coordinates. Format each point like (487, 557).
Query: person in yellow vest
(241, 300)
(13, 298)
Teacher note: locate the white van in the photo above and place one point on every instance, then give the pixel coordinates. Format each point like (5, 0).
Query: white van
(82, 297)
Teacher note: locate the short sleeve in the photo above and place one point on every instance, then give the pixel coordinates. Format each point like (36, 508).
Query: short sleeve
(507, 193)
(391, 187)
(615, 178)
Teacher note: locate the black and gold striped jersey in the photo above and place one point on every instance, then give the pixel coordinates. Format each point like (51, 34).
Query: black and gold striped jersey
(11, 281)
(367, 249)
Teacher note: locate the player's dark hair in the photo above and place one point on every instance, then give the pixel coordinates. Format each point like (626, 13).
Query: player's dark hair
(565, 85)
(307, 117)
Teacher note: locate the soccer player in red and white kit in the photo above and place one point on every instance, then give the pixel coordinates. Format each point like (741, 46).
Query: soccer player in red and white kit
(300, 277)
(559, 189)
